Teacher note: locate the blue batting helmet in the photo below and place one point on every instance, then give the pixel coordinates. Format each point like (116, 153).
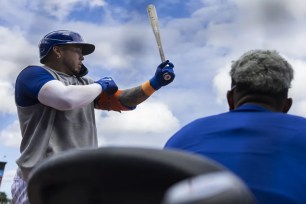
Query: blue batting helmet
(62, 37)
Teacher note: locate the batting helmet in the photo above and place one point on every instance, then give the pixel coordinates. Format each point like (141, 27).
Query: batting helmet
(62, 37)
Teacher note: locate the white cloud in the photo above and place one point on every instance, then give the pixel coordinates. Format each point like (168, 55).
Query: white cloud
(152, 117)
(131, 127)
(58, 8)
(7, 98)
(15, 52)
(61, 9)
(297, 92)
(221, 83)
(275, 9)
(243, 25)
(118, 47)
(14, 12)
(11, 135)
(94, 3)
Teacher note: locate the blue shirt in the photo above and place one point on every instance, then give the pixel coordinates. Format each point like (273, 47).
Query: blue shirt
(267, 150)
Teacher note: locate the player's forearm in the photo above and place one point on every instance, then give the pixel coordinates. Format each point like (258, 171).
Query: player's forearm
(134, 96)
(61, 97)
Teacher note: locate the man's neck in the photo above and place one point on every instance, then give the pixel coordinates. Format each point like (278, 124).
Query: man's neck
(266, 102)
(57, 67)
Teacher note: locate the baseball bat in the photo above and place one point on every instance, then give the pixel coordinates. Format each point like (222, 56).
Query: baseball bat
(155, 27)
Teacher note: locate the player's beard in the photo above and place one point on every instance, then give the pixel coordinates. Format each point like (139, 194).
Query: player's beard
(76, 71)
(72, 68)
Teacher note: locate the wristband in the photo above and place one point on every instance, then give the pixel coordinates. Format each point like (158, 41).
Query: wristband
(147, 88)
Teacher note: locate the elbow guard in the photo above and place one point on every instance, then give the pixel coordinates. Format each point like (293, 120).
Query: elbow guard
(111, 102)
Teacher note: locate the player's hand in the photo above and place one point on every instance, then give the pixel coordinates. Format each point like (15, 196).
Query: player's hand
(164, 75)
(108, 85)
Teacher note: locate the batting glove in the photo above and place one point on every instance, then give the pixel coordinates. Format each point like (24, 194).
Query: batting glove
(108, 85)
(164, 75)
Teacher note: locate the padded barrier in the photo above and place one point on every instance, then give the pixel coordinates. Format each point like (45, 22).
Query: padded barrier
(111, 175)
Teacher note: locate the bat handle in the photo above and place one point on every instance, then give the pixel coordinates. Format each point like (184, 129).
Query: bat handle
(167, 76)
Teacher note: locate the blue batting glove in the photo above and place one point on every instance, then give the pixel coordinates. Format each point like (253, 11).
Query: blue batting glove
(164, 75)
(108, 85)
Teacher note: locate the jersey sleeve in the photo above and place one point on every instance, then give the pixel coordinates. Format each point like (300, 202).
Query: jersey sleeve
(28, 84)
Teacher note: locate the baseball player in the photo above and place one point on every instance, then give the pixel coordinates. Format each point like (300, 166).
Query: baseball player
(55, 102)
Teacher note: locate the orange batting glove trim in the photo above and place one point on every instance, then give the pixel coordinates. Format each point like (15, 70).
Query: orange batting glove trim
(147, 88)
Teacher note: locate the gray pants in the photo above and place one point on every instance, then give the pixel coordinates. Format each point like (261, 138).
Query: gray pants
(19, 191)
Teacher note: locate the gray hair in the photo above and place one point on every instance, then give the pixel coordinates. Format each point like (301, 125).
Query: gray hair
(262, 71)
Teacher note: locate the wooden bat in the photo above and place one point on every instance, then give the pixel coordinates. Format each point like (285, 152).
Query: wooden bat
(155, 27)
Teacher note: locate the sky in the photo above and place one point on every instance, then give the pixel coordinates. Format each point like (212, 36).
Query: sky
(200, 37)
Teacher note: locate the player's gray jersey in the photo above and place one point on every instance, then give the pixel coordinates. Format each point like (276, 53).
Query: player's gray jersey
(47, 131)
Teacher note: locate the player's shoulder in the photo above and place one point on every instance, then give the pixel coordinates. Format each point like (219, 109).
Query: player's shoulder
(32, 68)
(296, 119)
(33, 71)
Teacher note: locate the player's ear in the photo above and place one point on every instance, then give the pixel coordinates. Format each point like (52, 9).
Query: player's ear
(287, 105)
(57, 51)
(230, 100)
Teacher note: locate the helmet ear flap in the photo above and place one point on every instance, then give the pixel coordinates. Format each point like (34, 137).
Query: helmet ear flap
(83, 71)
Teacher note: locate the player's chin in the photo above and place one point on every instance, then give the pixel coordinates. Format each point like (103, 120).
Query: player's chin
(78, 67)
(76, 71)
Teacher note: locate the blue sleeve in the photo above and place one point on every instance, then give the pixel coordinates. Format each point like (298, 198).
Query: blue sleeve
(28, 84)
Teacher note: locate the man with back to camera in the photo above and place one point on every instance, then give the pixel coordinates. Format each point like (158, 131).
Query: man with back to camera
(55, 102)
(256, 139)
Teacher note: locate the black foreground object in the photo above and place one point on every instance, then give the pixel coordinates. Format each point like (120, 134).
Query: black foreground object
(113, 175)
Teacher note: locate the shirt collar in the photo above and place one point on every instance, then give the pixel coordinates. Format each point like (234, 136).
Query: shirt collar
(251, 107)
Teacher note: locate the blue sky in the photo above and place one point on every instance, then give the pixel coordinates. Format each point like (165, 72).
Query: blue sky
(201, 38)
